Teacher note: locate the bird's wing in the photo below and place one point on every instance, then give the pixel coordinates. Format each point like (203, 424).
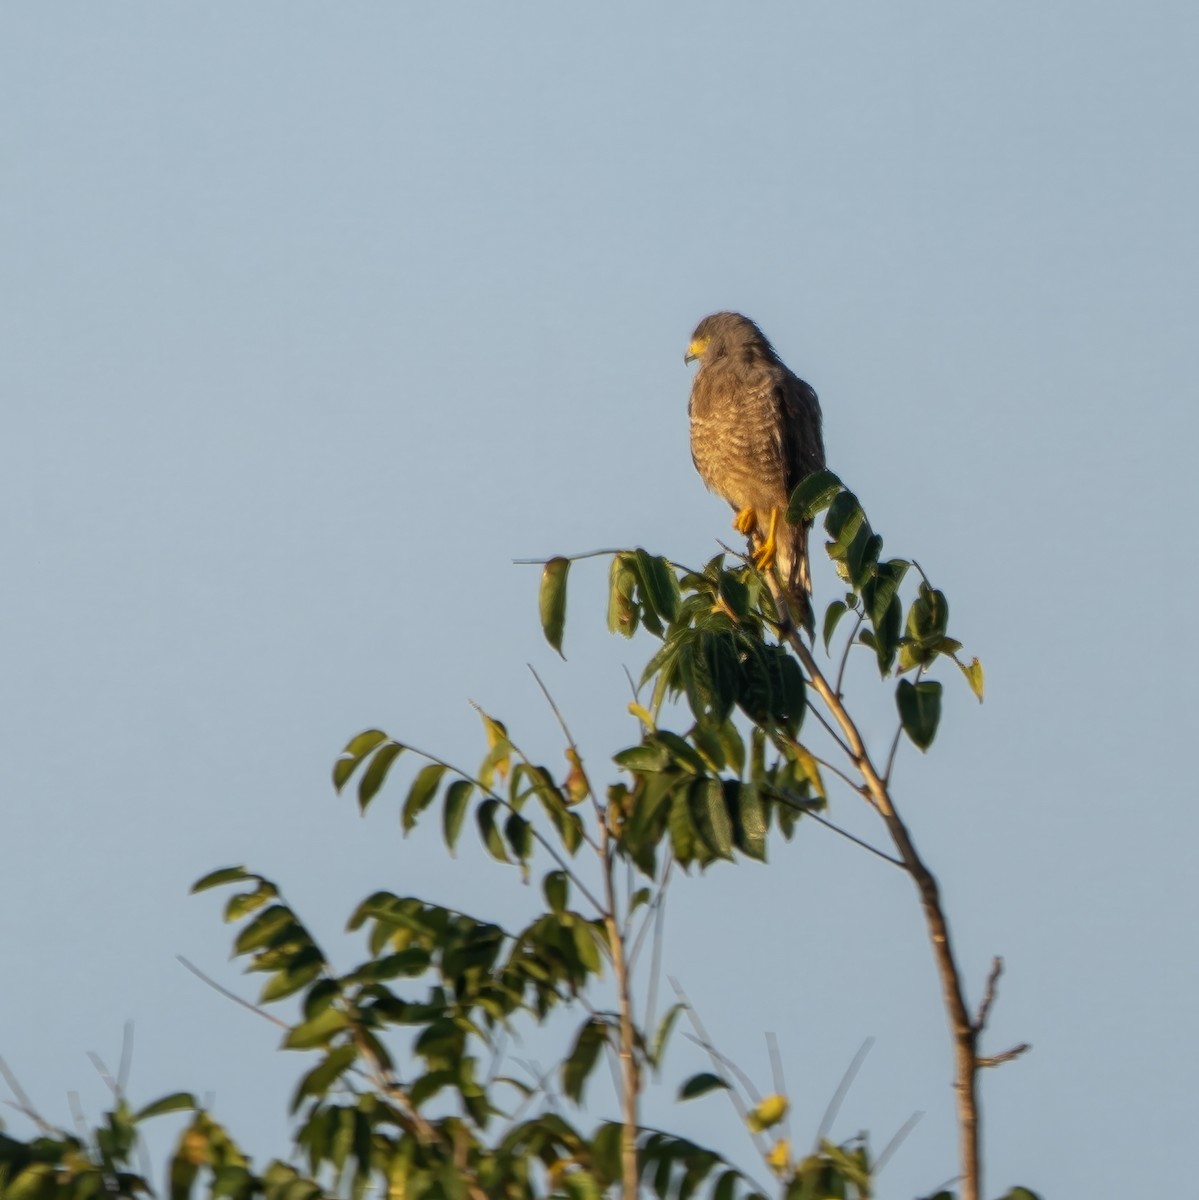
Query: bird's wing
(803, 441)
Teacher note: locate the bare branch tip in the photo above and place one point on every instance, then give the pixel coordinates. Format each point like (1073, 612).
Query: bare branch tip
(997, 1060)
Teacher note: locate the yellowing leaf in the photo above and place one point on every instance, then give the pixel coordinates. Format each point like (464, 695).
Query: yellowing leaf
(811, 770)
(769, 1112)
(552, 600)
(780, 1157)
(577, 787)
(974, 677)
(499, 758)
(642, 714)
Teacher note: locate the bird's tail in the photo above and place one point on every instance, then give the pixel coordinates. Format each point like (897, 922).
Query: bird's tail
(795, 574)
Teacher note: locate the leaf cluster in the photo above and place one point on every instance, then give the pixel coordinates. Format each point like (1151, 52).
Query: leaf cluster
(874, 598)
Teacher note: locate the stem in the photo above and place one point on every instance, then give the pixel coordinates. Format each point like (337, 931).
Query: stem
(963, 1030)
(630, 1083)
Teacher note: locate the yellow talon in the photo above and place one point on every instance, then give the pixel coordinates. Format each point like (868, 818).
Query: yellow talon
(745, 521)
(767, 552)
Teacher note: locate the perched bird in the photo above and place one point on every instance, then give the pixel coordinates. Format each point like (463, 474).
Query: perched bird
(755, 434)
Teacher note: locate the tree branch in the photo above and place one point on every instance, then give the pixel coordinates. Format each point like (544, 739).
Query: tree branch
(962, 1030)
(630, 1081)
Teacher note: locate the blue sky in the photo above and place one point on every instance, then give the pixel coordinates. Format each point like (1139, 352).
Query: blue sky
(315, 317)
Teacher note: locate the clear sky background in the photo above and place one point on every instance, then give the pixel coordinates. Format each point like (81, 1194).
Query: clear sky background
(316, 316)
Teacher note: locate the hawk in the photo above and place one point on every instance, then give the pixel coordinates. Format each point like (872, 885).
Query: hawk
(755, 434)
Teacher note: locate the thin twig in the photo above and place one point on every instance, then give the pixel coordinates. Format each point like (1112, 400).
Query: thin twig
(997, 1060)
(841, 775)
(609, 553)
(895, 740)
(577, 759)
(655, 962)
(540, 562)
(542, 1080)
(651, 913)
(984, 1009)
(126, 1059)
(891, 754)
(834, 1105)
(831, 731)
(78, 1116)
(722, 1060)
(897, 1141)
(212, 983)
(808, 811)
(24, 1105)
(848, 646)
(702, 1040)
(779, 1078)
(632, 685)
(104, 1074)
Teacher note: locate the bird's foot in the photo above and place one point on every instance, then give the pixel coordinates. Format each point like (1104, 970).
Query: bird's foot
(766, 554)
(746, 521)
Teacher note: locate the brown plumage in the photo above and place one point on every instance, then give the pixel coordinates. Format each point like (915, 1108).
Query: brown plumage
(755, 434)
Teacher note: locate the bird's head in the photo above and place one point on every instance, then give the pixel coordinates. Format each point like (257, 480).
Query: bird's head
(719, 334)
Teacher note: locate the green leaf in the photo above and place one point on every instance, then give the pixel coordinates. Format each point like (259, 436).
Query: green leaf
(701, 1085)
(374, 775)
(308, 1035)
(582, 1058)
(659, 585)
(842, 522)
(304, 967)
(734, 593)
(813, 495)
(1021, 1193)
(244, 903)
(682, 828)
(325, 1074)
(605, 1150)
(974, 677)
(457, 795)
(712, 816)
(552, 601)
(886, 635)
(581, 1185)
(878, 590)
(862, 554)
(719, 655)
(264, 928)
(622, 582)
(586, 946)
(519, 834)
(357, 748)
(750, 827)
(217, 878)
(420, 795)
(928, 619)
(919, 707)
(833, 614)
(726, 1186)
(556, 888)
(35, 1182)
(485, 815)
(175, 1102)
(662, 1036)
(568, 824)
